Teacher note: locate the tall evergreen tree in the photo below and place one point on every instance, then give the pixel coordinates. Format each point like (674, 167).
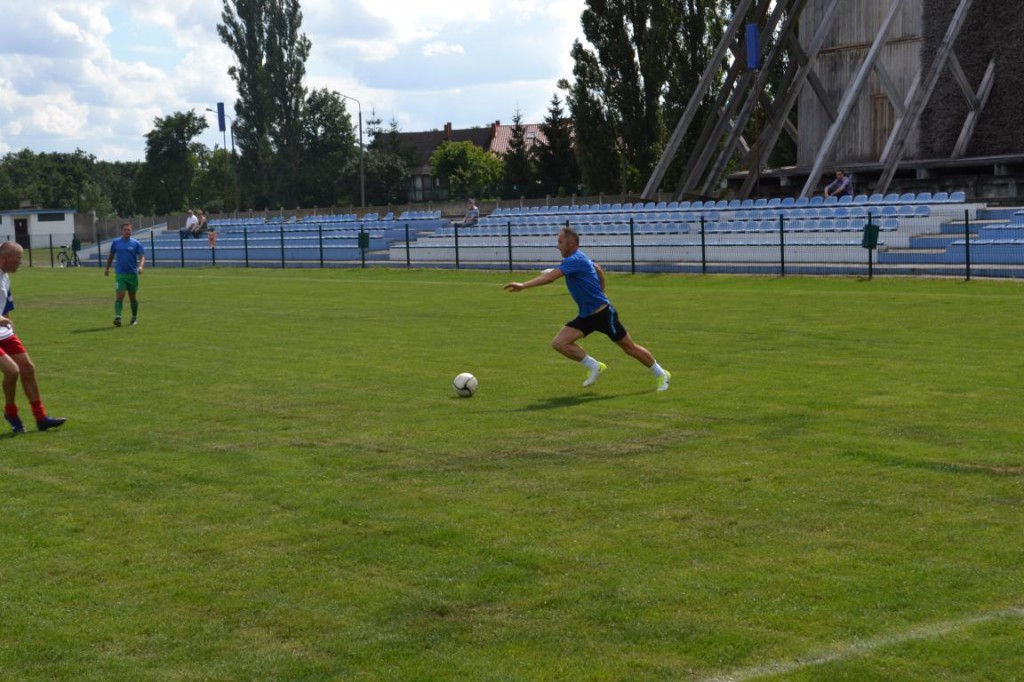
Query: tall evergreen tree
(387, 163)
(557, 167)
(519, 173)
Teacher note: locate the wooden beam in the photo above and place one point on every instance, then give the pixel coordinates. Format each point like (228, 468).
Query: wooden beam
(849, 99)
(889, 88)
(898, 138)
(714, 64)
(766, 142)
(714, 176)
(967, 132)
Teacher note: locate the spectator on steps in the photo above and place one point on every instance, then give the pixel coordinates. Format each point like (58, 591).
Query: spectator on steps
(841, 186)
(472, 216)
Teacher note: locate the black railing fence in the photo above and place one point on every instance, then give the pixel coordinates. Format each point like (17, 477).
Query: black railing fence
(950, 241)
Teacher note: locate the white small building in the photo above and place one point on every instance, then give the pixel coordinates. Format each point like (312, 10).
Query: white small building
(36, 227)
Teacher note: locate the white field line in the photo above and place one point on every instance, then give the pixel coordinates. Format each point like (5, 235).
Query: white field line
(862, 647)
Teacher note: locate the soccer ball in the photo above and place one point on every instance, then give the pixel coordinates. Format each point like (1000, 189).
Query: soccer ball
(465, 384)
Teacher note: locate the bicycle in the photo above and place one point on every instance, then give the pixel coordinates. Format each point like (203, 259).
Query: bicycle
(68, 258)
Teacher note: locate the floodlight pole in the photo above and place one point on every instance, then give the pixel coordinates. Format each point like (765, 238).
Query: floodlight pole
(362, 152)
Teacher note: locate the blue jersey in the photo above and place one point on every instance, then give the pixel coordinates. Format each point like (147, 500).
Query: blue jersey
(583, 282)
(126, 255)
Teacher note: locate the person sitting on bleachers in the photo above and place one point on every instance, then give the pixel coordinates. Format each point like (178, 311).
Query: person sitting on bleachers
(188, 231)
(472, 216)
(841, 186)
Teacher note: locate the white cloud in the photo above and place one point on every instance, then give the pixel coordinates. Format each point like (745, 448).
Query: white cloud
(94, 74)
(439, 48)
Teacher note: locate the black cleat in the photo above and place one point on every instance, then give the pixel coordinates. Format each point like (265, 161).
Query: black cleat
(50, 422)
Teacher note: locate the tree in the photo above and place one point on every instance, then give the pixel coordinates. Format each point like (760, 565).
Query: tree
(468, 169)
(387, 163)
(519, 165)
(557, 167)
(270, 56)
(645, 60)
(171, 163)
(329, 149)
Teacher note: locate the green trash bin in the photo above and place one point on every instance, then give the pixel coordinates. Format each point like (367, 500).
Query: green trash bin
(870, 238)
(364, 240)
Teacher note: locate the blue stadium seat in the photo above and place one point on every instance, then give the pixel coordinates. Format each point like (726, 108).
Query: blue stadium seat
(907, 198)
(957, 197)
(940, 197)
(845, 199)
(788, 201)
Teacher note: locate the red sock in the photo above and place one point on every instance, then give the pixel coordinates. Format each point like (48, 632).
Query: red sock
(38, 411)
(10, 410)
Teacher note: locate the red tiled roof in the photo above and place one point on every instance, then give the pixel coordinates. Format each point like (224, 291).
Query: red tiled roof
(503, 136)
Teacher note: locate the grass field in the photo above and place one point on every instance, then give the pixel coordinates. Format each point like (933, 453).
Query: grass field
(270, 479)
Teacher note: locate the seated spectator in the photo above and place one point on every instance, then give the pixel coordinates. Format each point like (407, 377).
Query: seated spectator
(472, 216)
(839, 187)
(202, 225)
(191, 222)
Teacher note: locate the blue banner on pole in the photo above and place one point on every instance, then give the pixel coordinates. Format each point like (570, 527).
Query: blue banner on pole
(220, 117)
(753, 47)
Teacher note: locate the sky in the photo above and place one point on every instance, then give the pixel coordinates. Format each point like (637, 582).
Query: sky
(95, 74)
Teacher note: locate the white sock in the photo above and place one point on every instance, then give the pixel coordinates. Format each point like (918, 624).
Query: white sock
(589, 362)
(656, 370)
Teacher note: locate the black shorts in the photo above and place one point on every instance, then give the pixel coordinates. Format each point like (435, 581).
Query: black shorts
(605, 321)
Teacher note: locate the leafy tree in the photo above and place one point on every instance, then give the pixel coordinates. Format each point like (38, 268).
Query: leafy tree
(116, 180)
(519, 164)
(171, 163)
(270, 56)
(329, 148)
(53, 180)
(636, 79)
(468, 169)
(557, 167)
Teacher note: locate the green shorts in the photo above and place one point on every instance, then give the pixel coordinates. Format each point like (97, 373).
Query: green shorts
(129, 283)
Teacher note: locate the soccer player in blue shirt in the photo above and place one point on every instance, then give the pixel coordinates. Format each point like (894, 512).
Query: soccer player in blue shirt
(585, 280)
(131, 258)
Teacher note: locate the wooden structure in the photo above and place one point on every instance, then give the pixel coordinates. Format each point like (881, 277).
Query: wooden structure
(898, 91)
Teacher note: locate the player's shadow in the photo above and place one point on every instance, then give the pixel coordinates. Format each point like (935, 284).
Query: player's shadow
(571, 401)
(93, 330)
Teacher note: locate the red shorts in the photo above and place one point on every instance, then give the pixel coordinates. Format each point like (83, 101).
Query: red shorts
(11, 346)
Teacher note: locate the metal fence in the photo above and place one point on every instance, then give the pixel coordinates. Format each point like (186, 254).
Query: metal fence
(958, 240)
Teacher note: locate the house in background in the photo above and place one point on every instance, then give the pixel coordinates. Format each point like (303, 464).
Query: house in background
(423, 186)
(38, 228)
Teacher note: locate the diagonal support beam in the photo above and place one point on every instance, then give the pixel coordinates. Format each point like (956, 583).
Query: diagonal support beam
(788, 23)
(849, 99)
(901, 132)
(791, 86)
(690, 113)
(977, 103)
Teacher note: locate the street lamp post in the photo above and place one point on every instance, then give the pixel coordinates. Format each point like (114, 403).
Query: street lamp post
(362, 152)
